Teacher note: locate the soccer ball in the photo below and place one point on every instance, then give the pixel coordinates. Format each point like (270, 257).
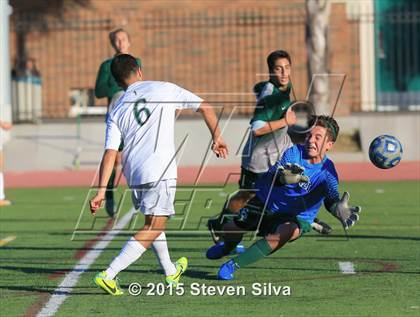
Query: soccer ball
(385, 151)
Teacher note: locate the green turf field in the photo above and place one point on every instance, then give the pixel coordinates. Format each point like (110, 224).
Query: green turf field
(384, 248)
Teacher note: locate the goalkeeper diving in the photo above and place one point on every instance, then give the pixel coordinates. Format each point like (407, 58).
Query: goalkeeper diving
(267, 140)
(288, 198)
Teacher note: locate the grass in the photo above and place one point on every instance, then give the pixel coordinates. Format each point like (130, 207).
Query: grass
(383, 246)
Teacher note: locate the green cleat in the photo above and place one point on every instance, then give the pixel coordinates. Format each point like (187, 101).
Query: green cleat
(181, 266)
(110, 286)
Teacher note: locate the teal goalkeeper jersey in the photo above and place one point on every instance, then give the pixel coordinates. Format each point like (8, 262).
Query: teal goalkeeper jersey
(304, 199)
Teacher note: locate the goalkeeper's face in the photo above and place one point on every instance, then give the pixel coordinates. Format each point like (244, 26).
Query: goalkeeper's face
(317, 143)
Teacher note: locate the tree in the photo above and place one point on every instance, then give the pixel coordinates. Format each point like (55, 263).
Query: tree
(317, 37)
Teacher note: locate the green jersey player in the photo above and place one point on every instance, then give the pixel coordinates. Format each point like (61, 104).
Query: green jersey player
(107, 86)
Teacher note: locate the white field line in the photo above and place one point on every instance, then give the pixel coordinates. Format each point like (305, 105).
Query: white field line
(70, 280)
(6, 240)
(347, 267)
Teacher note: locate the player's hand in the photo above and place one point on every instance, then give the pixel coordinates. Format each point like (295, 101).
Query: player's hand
(220, 148)
(6, 126)
(290, 117)
(96, 203)
(291, 174)
(348, 215)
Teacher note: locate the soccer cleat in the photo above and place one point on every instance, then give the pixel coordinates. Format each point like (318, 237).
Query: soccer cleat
(110, 286)
(226, 270)
(181, 266)
(214, 227)
(216, 251)
(321, 227)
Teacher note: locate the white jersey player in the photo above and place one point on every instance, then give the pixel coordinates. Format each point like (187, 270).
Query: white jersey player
(6, 127)
(144, 119)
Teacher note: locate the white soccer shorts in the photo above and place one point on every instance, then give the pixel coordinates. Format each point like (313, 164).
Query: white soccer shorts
(155, 199)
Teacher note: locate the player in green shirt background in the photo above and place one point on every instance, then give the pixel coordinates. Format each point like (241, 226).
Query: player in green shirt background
(106, 86)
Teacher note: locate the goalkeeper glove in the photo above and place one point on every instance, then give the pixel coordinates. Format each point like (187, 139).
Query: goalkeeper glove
(290, 174)
(348, 215)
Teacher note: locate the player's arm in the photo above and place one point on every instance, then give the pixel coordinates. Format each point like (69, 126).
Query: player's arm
(5, 125)
(112, 143)
(219, 146)
(339, 207)
(261, 128)
(105, 171)
(102, 81)
(192, 101)
(286, 171)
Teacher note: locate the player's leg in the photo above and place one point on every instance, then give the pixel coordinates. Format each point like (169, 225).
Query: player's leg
(113, 182)
(155, 200)
(239, 200)
(232, 236)
(260, 249)
(285, 232)
(109, 195)
(160, 247)
(131, 252)
(173, 271)
(152, 234)
(138, 244)
(3, 200)
(159, 200)
(116, 172)
(230, 209)
(118, 168)
(234, 204)
(2, 196)
(248, 219)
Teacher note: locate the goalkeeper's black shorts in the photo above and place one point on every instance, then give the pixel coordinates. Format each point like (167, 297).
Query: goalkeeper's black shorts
(253, 217)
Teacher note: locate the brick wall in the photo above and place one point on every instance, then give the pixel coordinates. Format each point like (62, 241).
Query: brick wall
(214, 48)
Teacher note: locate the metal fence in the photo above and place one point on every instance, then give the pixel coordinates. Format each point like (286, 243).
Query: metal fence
(222, 54)
(218, 53)
(65, 53)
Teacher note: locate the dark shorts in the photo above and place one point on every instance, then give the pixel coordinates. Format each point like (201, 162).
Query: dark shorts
(252, 218)
(248, 179)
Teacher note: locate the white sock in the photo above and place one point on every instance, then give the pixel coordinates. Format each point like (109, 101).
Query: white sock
(129, 254)
(160, 246)
(2, 187)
